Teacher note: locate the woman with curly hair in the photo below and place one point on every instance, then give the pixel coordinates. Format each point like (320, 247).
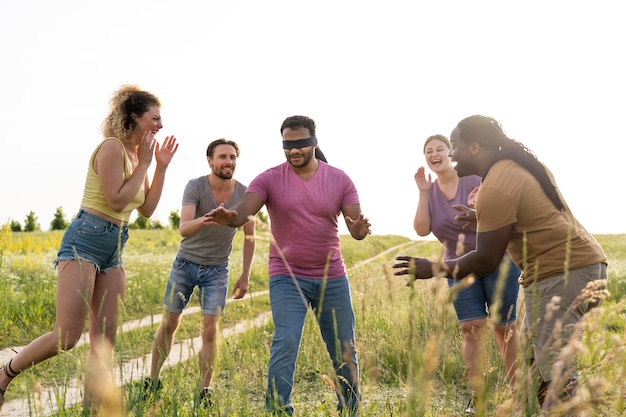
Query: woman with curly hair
(91, 275)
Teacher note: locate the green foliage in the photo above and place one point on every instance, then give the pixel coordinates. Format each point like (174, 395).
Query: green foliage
(262, 217)
(16, 226)
(59, 222)
(30, 224)
(143, 223)
(174, 219)
(140, 222)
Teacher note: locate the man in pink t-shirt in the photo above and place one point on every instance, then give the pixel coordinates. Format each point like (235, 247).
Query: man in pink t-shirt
(304, 197)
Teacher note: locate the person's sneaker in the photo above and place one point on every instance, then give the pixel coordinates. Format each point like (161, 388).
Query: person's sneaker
(205, 398)
(151, 386)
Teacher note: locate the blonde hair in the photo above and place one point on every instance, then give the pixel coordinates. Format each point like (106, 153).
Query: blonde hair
(125, 103)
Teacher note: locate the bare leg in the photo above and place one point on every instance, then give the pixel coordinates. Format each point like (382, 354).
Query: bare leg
(163, 339)
(74, 290)
(108, 292)
(508, 342)
(474, 351)
(208, 354)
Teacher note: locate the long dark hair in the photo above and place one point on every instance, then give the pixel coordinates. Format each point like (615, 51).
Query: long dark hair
(487, 132)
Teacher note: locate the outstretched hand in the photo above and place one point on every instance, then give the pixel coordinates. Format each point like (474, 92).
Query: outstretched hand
(220, 216)
(467, 215)
(360, 227)
(418, 268)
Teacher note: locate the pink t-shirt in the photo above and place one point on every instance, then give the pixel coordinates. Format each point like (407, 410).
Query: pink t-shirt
(303, 218)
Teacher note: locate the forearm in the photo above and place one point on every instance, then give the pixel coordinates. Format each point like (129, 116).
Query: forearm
(240, 220)
(190, 227)
(128, 190)
(470, 263)
(249, 247)
(154, 192)
(421, 222)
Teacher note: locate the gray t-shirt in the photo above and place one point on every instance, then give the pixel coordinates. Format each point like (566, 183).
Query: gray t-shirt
(211, 245)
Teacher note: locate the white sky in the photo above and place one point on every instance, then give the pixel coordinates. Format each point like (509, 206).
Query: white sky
(377, 77)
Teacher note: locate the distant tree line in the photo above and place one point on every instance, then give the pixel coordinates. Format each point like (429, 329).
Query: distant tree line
(59, 222)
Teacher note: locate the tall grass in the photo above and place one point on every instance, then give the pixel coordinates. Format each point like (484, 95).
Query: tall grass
(408, 340)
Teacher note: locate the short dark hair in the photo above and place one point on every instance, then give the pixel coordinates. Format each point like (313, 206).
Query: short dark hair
(211, 148)
(296, 122)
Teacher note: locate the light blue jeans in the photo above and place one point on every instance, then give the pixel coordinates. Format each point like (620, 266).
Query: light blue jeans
(332, 304)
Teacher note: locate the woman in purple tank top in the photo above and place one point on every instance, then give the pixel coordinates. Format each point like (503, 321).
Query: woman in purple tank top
(472, 304)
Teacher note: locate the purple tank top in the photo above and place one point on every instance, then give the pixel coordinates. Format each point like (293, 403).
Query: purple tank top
(442, 224)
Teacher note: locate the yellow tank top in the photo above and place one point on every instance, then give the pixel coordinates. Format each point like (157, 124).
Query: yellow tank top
(93, 197)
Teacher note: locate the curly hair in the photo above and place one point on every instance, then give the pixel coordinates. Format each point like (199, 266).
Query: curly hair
(129, 100)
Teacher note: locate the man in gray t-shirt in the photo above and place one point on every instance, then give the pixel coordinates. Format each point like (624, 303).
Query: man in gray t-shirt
(202, 261)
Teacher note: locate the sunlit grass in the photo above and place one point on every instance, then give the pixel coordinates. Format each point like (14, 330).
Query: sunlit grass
(408, 340)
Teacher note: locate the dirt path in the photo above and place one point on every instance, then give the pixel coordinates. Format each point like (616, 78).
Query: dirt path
(137, 368)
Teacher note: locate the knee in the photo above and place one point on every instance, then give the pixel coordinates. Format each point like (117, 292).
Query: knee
(170, 323)
(209, 334)
(169, 327)
(69, 341)
(69, 345)
(472, 328)
(506, 332)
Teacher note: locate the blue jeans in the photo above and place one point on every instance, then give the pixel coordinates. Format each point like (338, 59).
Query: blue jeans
(332, 306)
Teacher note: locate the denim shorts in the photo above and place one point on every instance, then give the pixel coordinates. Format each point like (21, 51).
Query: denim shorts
(93, 239)
(211, 280)
(477, 301)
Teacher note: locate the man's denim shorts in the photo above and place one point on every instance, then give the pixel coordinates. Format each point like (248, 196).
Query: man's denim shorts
(211, 280)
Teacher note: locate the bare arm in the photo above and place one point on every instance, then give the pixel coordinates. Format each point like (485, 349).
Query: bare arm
(188, 223)
(249, 247)
(249, 206)
(109, 164)
(358, 224)
(163, 156)
(485, 259)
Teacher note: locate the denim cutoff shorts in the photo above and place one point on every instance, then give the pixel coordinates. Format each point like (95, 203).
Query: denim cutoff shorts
(477, 301)
(93, 239)
(211, 280)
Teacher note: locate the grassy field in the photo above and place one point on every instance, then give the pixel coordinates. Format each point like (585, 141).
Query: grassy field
(408, 338)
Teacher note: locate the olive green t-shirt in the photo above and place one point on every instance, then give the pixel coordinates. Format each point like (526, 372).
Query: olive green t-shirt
(545, 241)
